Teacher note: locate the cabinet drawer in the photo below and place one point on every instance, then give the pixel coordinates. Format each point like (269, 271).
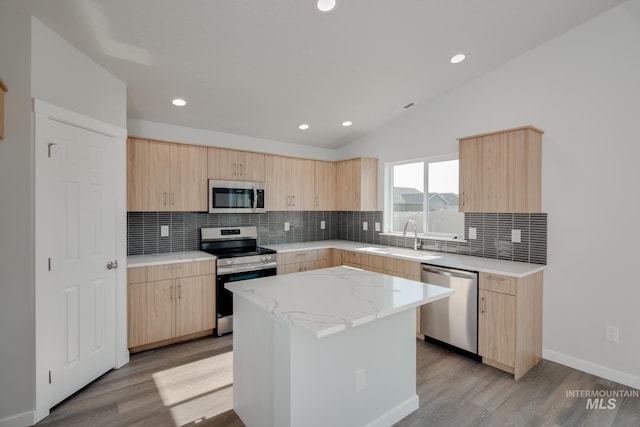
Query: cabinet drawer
(154, 273)
(150, 274)
(498, 283)
(299, 256)
(191, 269)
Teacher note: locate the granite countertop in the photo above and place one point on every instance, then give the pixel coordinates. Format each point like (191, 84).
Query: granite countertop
(328, 301)
(167, 258)
(442, 259)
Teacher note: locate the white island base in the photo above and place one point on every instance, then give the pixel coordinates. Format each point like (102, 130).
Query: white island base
(286, 377)
(326, 369)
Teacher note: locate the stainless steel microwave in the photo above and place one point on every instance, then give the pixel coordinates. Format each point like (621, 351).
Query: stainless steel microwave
(236, 196)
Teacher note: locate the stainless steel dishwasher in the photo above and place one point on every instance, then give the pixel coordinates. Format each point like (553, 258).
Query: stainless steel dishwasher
(453, 321)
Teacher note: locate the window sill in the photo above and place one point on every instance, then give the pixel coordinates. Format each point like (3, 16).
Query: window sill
(425, 236)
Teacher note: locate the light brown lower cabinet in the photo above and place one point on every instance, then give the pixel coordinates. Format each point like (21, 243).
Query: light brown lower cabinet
(510, 322)
(346, 257)
(170, 303)
(294, 262)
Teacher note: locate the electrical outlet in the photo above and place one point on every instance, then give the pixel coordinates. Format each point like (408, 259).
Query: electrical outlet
(473, 233)
(377, 226)
(365, 225)
(322, 225)
(516, 236)
(286, 226)
(361, 380)
(164, 231)
(612, 333)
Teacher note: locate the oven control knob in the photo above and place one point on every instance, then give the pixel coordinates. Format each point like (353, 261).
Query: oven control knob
(263, 258)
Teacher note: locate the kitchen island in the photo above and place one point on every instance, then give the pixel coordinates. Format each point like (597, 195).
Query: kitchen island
(334, 347)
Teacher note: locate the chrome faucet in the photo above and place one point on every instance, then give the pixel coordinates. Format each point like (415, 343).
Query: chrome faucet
(415, 231)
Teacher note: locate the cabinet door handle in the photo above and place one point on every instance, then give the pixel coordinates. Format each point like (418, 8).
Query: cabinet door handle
(173, 198)
(288, 200)
(235, 169)
(496, 278)
(317, 201)
(165, 199)
(240, 168)
(171, 294)
(483, 305)
(179, 291)
(293, 200)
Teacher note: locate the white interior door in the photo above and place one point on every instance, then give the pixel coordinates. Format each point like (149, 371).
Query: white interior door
(75, 240)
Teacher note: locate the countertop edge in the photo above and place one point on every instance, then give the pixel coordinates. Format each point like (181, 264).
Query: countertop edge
(455, 259)
(165, 258)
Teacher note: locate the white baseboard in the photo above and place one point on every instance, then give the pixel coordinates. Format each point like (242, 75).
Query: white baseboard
(592, 368)
(20, 420)
(397, 413)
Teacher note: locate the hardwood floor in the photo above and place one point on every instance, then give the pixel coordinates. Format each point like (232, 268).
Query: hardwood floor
(189, 384)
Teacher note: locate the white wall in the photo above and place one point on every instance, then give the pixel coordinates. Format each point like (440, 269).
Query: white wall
(36, 62)
(163, 131)
(583, 90)
(16, 223)
(64, 76)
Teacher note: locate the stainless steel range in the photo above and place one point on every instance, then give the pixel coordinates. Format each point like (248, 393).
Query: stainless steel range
(238, 258)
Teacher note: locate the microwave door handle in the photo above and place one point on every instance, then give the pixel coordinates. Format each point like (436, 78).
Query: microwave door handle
(254, 202)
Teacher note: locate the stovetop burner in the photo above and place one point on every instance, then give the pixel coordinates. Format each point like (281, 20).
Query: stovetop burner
(239, 243)
(227, 253)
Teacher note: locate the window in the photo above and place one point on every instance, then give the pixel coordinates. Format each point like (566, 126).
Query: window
(435, 211)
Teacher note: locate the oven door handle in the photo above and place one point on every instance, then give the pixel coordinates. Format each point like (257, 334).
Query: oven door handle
(240, 269)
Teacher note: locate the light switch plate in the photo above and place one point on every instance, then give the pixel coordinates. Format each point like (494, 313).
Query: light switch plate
(365, 225)
(515, 236)
(377, 226)
(286, 226)
(322, 225)
(473, 233)
(164, 231)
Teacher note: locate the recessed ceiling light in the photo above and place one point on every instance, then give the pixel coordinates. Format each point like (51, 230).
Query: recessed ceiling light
(347, 123)
(179, 102)
(458, 58)
(303, 126)
(325, 6)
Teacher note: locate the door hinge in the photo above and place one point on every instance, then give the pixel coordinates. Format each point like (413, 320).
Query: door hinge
(49, 145)
(49, 377)
(49, 264)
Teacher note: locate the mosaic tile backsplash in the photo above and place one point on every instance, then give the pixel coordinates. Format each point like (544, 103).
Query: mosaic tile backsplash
(493, 232)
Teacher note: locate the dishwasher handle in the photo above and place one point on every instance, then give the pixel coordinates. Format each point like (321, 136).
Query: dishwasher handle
(449, 272)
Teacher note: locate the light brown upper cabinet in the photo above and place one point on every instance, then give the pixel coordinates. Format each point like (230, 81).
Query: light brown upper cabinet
(163, 176)
(236, 165)
(501, 171)
(290, 183)
(325, 188)
(357, 184)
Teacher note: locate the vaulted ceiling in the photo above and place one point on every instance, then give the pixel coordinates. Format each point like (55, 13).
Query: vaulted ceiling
(262, 67)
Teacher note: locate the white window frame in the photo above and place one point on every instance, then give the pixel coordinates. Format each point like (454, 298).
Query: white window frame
(388, 199)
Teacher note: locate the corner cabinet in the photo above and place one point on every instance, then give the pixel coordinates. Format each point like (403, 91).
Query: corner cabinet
(163, 176)
(170, 303)
(357, 184)
(235, 165)
(510, 322)
(290, 183)
(501, 171)
(294, 262)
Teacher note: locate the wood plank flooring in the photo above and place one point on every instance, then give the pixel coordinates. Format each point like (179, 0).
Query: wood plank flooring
(189, 384)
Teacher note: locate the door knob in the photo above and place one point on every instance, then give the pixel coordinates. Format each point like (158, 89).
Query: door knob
(112, 264)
